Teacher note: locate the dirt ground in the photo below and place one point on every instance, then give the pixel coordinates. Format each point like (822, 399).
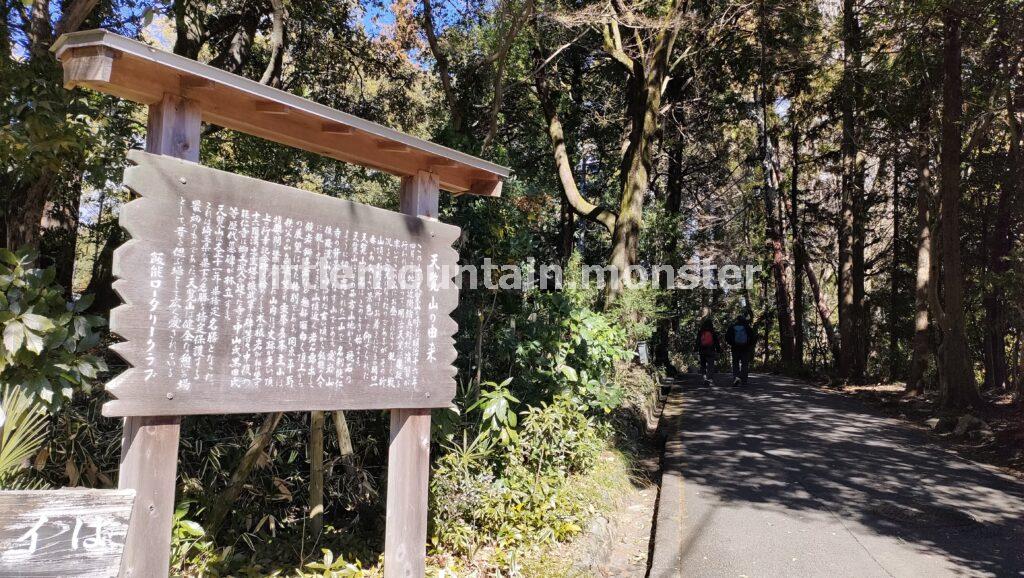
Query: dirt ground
(1003, 449)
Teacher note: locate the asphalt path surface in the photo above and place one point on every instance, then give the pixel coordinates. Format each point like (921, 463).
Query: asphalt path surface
(782, 478)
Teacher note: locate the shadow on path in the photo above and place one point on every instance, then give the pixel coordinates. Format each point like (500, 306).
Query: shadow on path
(784, 447)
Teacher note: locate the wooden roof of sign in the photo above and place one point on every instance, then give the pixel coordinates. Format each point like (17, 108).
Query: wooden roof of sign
(112, 64)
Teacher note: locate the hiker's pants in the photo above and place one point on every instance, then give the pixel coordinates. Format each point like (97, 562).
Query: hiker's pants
(741, 362)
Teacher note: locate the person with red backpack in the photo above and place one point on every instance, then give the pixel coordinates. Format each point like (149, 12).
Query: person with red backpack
(708, 348)
(741, 337)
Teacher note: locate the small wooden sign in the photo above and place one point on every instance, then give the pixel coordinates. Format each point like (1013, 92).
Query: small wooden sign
(67, 532)
(247, 296)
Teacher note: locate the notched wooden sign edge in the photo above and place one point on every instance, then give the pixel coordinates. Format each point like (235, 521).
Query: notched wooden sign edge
(145, 164)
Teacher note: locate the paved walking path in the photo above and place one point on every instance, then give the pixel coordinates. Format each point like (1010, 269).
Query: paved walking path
(784, 479)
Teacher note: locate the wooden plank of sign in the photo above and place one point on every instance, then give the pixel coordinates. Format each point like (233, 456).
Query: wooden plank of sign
(70, 532)
(243, 296)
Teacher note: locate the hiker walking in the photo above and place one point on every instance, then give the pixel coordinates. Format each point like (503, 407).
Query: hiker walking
(708, 348)
(741, 337)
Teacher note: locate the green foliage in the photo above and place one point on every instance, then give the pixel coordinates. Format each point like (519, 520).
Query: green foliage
(22, 434)
(191, 548)
(498, 418)
(559, 439)
(331, 567)
(47, 341)
(521, 495)
(637, 312)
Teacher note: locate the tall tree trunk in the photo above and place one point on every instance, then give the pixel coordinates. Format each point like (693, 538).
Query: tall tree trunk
(923, 276)
(894, 272)
(774, 234)
(798, 257)
(26, 202)
(852, 326)
(567, 231)
(1001, 243)
(957, 388)
(636, 170)
(647, 80)
(824, 315)
(673, 207)
(24, 212)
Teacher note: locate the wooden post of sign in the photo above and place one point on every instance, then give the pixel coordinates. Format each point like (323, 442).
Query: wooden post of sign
(149, 445)
(405, 540)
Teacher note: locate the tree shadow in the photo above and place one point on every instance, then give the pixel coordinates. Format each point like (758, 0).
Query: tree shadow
(783, 444)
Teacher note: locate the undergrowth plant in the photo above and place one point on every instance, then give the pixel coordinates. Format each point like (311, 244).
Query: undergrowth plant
(47, 340)
(22, 433)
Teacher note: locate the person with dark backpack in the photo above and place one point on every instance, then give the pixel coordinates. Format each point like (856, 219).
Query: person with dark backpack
(741, 337)
(708, 348)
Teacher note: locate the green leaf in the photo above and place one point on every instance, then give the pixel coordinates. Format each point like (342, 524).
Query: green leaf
(33, 342)
(37, 322)
(192, 528)
(5, 255)
(87, 369)
(84, 302)
(569, 373)
(14, 336)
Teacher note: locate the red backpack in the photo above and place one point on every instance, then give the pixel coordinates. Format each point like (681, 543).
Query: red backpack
(707, 339)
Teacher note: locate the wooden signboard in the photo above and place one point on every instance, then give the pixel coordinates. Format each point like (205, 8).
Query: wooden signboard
(221, 315)
(63, 532)
(246, 296)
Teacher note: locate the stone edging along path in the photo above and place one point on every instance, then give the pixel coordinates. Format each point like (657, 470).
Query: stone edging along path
(666, 554)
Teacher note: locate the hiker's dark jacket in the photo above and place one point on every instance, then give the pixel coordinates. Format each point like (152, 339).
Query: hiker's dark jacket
(730, 336)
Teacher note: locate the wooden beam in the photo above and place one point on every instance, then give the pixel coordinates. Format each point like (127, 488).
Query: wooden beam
(486, 188)
(270, 107)
(405, 541)
(126, 68)
(316, 475)
(335, 128)
(385, 145)
(143, 73)
(419, 195)
(149, 465)
(149, 445)
(195, 83)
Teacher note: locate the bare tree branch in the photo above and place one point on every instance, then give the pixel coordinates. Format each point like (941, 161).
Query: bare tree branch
(570, 190)
(74, 15)
(272, 74)
(499, 75)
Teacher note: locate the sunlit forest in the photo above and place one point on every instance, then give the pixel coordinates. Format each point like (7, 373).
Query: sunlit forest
(867, 156)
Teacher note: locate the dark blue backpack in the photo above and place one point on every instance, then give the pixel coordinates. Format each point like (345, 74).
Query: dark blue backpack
(739, 335)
